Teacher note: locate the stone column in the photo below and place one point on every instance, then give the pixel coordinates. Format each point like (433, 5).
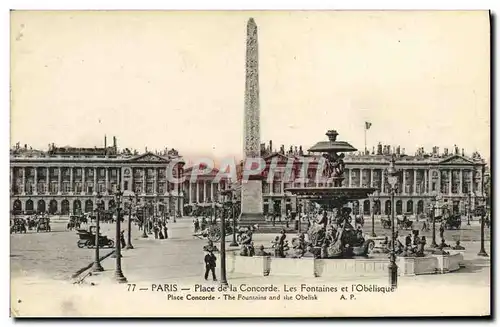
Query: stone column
(106, 183)
(414, 187)
(190, 192)
(426, 183)
(461, 190)
(350, 177)
(47, 181)
(481, 188)
(283, 208)
(212, 192)
(471, 180)
(382, 182)
(12, 180)
(95, 181)
(24, 180)
(144, 181)
(450, 181)
(197, 191)
(84, 188)
(35, 191)
(361, 177)
(71, 187)
(439, 182)
(404, 181)
(59, 182)
(371, 177)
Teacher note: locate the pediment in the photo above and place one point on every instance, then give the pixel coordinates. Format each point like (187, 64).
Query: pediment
(456, 160)
(148, 157)
(280, 157)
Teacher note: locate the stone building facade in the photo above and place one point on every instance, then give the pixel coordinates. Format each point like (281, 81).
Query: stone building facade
(202, 187)
(455, 178)
(67, 180)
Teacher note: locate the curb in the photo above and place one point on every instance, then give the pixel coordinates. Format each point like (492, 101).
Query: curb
(80, 271)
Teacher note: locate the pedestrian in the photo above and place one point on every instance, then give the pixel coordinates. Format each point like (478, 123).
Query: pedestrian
(424, 226)
(160, 231)
(210, 265)
(441, 231)
(408, 240)
(122, 239)
(165, 231)
(156, 229)
(196, 225)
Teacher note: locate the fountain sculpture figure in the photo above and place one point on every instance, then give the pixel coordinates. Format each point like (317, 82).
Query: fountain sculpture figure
(339, 238)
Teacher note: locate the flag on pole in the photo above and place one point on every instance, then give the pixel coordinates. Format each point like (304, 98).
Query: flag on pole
(367, 125)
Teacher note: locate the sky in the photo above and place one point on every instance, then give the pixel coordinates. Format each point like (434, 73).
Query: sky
(176, 79)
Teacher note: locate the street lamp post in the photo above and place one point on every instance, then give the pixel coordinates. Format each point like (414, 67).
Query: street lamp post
(96, 267)
(392, 177)
(144, 221)
(223, 278)
(469, 209)
(373, 214)
(434, 207)
(118, 269)
(482, 252)
(233, 216)
(129, 232)
(150, 206)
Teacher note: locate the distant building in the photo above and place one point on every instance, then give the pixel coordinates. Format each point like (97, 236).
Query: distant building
(204, 189)
(66, 180)
(456, 178)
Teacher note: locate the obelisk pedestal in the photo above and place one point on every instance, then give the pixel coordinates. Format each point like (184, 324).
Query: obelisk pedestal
(251, 189)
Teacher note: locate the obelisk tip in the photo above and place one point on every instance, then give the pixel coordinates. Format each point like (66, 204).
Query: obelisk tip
(251, 21)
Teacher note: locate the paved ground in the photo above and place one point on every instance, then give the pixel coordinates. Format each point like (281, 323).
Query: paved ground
(179, 260)
(52, 254)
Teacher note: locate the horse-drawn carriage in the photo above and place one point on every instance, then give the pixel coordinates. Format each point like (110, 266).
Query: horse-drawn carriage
(87, 239)
(213, 232)
(18, 225)
(73, 223)
(31, 222)
(43, 224)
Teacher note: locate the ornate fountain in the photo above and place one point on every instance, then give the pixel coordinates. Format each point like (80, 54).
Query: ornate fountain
(337, 238)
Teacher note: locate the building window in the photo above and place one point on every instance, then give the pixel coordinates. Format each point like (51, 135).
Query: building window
(102, 172)
(78, 187)
(125, 185)
(90, 187)
(78, 172)
(113, 172)
(53, 188)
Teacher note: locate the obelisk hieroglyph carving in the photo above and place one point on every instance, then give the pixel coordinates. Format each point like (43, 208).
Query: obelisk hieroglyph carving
(251, 190)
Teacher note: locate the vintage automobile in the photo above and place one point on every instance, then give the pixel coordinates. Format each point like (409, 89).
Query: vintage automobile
(87, 239)
(405, 223)
(18, 225)
(43, 224)
(452, 221)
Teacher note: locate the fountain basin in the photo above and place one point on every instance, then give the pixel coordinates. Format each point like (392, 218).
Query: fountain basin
(341, 268)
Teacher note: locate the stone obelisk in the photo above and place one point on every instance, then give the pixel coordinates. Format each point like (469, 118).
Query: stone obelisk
(251, 190)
